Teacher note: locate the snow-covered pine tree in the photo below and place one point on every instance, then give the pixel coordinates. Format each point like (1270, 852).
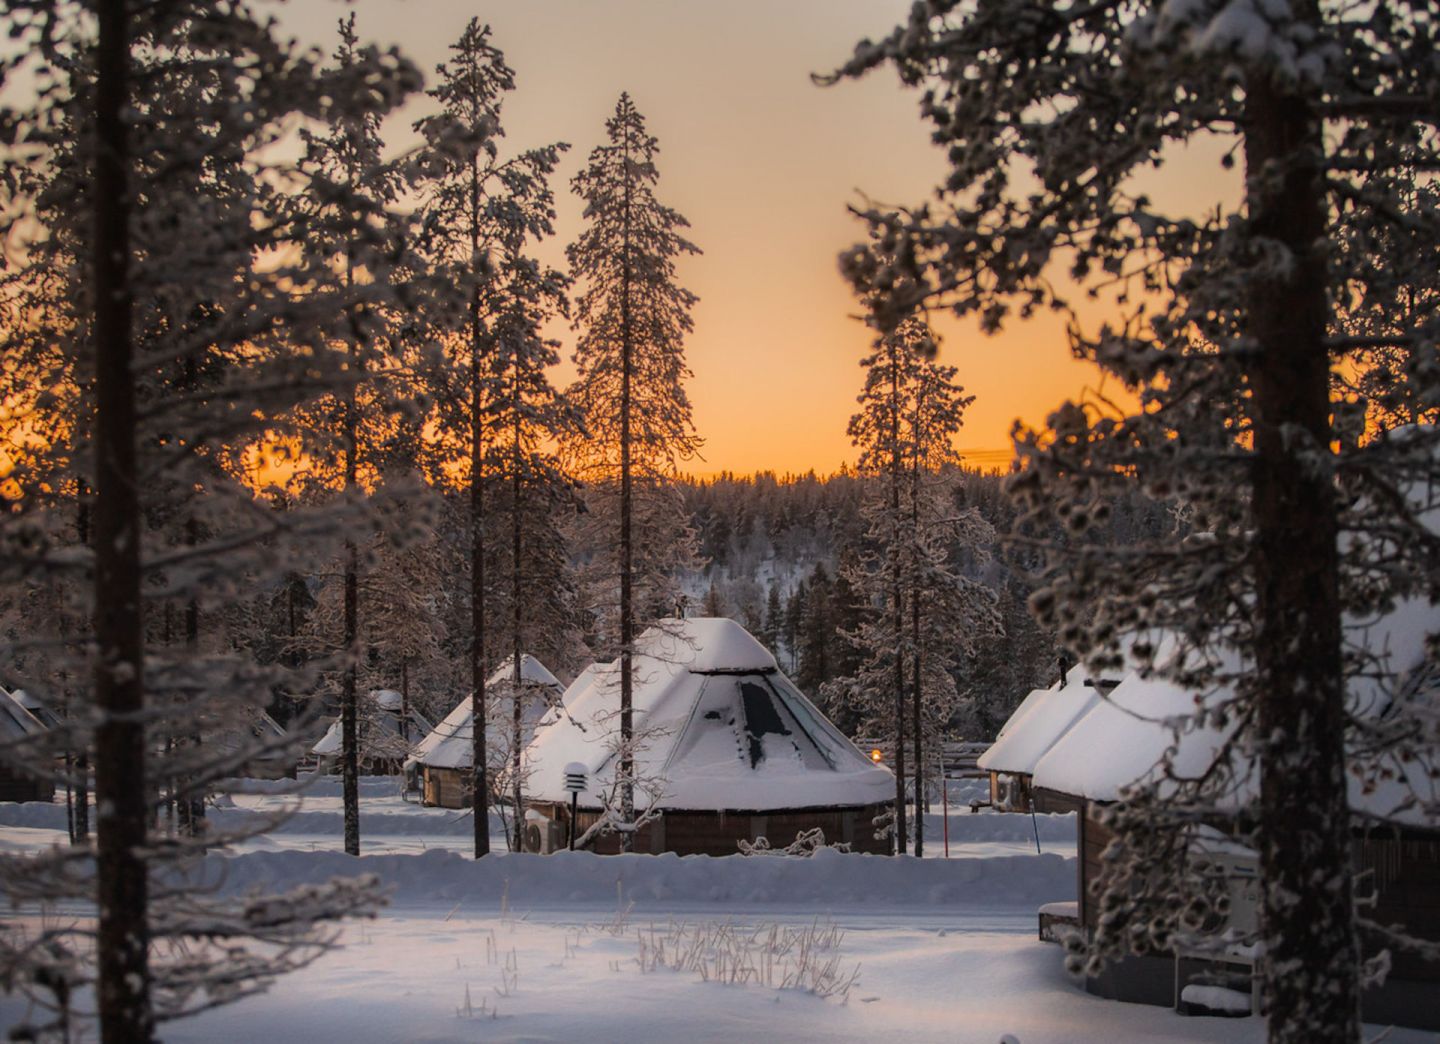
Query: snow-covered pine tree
(188, 256)
(480, 214)
(1227, 326)
(634, 315)
(353, 228)
(923, 613)
(534, 600)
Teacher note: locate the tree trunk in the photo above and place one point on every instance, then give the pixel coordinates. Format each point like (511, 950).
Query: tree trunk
(1311, 967)
(517, 620)
(916, 686)
(123, 936)
(349, 724)
(627, 548)
(82, 756)
(897, 620)
(349, 716)
(192, 800)
(481, 785)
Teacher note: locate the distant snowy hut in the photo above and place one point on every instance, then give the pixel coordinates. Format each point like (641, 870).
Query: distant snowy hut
(727, 750)
(261, 748)
(386, 733)
(444, 759)
(37, 707)
(17, 781)
(1041, 719)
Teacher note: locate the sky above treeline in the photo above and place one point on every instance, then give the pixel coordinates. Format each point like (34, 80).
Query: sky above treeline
(763, 163)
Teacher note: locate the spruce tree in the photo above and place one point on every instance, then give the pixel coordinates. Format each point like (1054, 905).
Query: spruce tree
(480, 213)
(348, 211)
(634, 316)
(159, 126)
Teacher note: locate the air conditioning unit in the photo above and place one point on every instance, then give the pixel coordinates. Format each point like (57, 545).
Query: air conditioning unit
(544, 835)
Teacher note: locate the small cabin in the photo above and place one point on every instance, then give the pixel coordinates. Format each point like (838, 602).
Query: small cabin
(387, 729)
(444, 759)
(727, 750)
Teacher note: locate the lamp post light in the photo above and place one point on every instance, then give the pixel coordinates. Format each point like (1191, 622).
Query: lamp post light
(575, 781)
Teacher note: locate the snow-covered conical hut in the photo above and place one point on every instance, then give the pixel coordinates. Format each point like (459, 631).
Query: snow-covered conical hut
(727, 750)
(443, 759)
(388, 730)
(17, 782)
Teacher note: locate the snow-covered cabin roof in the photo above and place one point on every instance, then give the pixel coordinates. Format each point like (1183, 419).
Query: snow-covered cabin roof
(1033, 697)
(719, 728)
(1038, 723)
(451, 743)
(379, 727)
(15, 721)
(1120, 740)
(37, 708)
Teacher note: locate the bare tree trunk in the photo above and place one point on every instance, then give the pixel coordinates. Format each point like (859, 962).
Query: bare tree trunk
(1311, 967)
(192, 801)
(902, 836)
(82, 755)
(517, 620)
(916, 685)
(916, 723)
(123, 937)
(481, 799)
(627, 545)
(349, 712)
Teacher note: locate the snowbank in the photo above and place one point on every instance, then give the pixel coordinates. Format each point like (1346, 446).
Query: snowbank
(827, 880)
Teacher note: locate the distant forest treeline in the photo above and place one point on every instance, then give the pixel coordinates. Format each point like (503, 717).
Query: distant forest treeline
(773, 547)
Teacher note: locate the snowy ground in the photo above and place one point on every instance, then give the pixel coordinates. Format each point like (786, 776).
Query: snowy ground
(550, 948)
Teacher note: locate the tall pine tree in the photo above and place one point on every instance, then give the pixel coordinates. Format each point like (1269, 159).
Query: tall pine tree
(634, 316)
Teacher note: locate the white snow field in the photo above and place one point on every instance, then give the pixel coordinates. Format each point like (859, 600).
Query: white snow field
(662, 948)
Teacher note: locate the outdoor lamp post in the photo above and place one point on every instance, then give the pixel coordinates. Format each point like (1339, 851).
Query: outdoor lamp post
(575, 782)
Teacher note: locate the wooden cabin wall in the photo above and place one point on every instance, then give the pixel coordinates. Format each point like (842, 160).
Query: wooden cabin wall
(447, 787)
(719, 833)
(1403, 873)
(17, 785)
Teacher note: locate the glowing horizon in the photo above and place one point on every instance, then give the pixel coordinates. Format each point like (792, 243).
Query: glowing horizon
(763, 163)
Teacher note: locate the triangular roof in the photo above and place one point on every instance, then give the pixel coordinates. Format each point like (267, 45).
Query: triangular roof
(720, 727)
(1120, 739)
(37, 708)
(451, 743)
(379, 727)
(1044, 717)
(15, 721)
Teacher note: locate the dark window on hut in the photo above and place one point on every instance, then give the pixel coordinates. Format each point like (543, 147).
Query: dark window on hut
(761, 718)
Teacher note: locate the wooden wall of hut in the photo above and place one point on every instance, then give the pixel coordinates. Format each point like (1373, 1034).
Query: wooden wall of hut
(19, 785)
(447, 787)
(719, 833)
(1401, 870)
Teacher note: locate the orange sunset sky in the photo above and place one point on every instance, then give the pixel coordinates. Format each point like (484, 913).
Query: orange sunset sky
(763, 163)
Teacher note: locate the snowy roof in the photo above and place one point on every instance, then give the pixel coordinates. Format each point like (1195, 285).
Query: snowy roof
(1035, 696)
(1119, 741)
(37, 708)
(451, 743)
(719, 727)
(15, 721)
(1044, 716)
(379, 727)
